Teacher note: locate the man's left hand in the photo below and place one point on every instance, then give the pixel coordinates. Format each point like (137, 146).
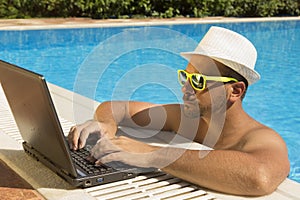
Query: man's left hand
(125, 150)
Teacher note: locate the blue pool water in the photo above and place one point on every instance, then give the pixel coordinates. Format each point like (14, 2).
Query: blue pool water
(140, 63)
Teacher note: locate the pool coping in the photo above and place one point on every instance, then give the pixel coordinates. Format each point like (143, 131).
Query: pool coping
(63, 23)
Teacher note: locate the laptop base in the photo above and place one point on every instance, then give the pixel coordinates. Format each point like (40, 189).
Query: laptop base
(83, 181)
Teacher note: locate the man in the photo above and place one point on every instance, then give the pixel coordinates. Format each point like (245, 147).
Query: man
(248, 157)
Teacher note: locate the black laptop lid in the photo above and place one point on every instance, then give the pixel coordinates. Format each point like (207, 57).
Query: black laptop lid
(30, 101)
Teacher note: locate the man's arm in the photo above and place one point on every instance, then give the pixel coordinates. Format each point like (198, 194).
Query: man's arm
(113, 113)
(165, 117)
(255, 168)
(107, 117)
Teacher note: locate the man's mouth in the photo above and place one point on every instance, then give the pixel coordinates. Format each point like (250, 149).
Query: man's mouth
(189, 98)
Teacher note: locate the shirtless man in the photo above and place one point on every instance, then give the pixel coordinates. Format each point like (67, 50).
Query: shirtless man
(249, 158)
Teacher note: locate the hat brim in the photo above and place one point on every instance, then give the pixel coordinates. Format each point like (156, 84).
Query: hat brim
(250, 75)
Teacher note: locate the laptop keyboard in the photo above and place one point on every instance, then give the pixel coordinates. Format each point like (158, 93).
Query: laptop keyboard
(79, 157)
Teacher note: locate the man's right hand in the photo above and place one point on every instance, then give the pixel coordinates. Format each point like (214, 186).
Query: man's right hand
(78, 134)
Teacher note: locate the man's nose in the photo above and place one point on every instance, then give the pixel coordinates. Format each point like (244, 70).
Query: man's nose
(187, 87)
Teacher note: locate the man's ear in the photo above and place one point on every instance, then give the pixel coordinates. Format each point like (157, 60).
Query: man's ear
(237, 91)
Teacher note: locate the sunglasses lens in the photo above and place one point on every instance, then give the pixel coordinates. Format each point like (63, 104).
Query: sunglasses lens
(182, 77)
(198, 81)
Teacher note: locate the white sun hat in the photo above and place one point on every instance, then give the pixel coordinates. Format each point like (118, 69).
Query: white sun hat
(231, 49)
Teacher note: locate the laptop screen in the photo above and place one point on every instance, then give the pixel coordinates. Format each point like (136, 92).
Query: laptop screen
(30, 101)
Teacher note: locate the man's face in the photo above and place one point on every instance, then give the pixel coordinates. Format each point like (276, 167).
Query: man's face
(212, 98)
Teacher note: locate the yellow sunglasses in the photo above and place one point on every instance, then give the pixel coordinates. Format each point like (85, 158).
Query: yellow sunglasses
(198, 81)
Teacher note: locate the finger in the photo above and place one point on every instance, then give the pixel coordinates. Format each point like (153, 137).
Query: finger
(83, 137)
(73, 137)
(117, 156)
(96, 151)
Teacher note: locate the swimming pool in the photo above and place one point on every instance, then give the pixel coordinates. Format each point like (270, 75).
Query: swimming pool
(140, 63)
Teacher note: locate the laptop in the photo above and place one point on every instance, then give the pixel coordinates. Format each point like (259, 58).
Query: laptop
(35, 115)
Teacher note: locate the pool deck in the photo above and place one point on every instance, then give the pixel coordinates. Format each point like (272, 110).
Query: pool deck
(23, 24)
(24, 178)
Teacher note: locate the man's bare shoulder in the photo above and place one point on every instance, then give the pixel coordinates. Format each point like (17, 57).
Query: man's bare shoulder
(268, 148)
(262, 138)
